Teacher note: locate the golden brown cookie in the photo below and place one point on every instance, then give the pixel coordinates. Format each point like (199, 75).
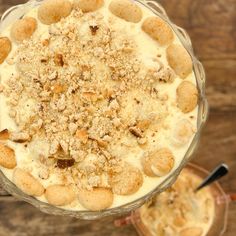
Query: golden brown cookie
(5, 48)
(187, 96)
(23, 29)
(128, 181)
(27, 183)
(179, 60)
(96, 199)
(191, 231)
(158, 163)
(60, 195)
(89, 5)
(158, 30)
(182, 132)
(52, 11)
(7, 157)
(126, 9)
(179, 221)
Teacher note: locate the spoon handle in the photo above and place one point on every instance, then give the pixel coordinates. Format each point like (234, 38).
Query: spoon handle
(216, 174)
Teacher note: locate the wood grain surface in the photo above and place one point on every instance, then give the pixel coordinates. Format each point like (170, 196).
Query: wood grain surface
(211, 25)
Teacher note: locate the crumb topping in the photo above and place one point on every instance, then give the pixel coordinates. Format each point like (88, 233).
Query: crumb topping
(71, 89)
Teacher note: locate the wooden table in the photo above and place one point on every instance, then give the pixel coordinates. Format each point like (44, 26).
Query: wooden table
(212, 27)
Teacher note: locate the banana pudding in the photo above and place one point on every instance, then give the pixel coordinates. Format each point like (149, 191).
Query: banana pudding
(180, 211)
(98, 102)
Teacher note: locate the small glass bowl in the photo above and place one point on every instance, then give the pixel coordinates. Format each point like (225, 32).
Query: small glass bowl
(222, 201)
(17, 12)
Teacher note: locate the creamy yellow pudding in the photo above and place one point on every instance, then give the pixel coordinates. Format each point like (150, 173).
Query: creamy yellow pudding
(180, 211)
(98, 101)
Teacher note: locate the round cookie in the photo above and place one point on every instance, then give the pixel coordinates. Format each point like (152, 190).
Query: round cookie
(187, 96)
(52, 11)
(96, 199)
(128, 181)
(27, 183)
(60, 195)
(158, 163)
(158, 30)
(23, 29)
(193, 231)
(5, 48)
(179, 220)
(179, 60)
(126, 10)
(182, 132)
(7, 157)
(89, 5)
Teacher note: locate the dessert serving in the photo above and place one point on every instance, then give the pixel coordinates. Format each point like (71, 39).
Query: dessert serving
(180, 210)
(98, 102)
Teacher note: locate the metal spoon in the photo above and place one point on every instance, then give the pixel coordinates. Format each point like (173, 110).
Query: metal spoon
(216, 174)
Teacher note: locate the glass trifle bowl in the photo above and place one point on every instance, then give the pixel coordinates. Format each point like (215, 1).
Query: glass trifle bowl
(18, 12)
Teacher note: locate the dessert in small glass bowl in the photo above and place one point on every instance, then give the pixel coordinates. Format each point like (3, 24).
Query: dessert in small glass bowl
(182, 211)
(101, 101)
